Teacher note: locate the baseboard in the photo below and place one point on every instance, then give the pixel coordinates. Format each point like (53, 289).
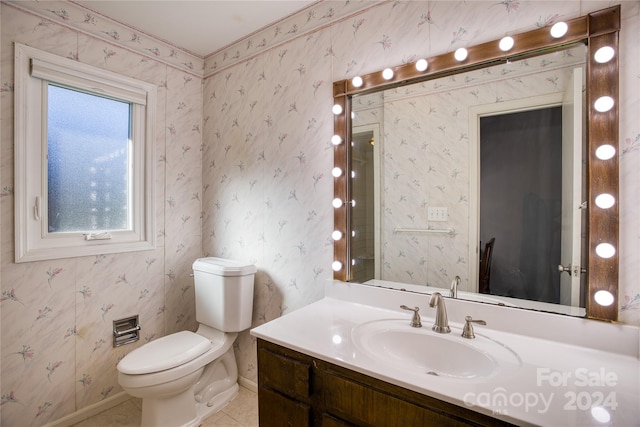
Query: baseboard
(90, 411)
(248, 384)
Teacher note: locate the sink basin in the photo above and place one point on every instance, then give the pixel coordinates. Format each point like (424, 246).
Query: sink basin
(422, 351)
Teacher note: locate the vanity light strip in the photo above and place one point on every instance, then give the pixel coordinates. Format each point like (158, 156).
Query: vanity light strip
(478, 56)
(603, 222)
(341, 216)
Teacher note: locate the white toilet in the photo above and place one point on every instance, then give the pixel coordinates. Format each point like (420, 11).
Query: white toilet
(184, 377)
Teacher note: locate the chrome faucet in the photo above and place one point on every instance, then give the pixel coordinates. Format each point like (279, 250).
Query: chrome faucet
(442, 322)
(453, 291)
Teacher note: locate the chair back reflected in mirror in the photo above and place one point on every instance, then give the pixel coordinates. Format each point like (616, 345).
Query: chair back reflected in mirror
(485, 267)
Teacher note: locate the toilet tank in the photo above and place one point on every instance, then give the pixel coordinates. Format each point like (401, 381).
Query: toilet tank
(224, 293)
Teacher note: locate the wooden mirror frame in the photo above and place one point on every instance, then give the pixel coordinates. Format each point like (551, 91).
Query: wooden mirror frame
(596, 30)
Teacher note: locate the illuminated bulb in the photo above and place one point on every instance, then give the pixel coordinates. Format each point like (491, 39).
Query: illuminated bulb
(603, 104)
(357, 81)
(461, 54)
(605, 250)
(337, 203)
(599, 413)
(605, 152)
(336, 266)
(605, 201)
(336, 172)
(387, 74)
(559, 29)
(353, 203)
(353, 115)
(336, 235)
(506, 43)
(604, 54)
(337, 339)
(353, 261)
(422, 65)
(336, 140)
(603, 298)
(353, 233)
(353, 174)
(337, 109)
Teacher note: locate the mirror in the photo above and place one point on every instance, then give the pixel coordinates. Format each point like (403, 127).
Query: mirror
(593, 31)
(421, 153)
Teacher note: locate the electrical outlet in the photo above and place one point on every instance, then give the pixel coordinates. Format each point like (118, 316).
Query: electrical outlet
(437, 214)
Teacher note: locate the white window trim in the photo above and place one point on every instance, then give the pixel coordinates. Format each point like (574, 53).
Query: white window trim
(33, 68)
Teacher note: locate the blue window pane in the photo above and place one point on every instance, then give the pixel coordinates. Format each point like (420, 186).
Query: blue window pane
(88, 139)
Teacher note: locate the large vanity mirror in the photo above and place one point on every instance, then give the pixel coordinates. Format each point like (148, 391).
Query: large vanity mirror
(499, 168)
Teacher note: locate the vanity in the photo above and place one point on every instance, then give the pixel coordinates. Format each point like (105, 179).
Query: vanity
(352, 358)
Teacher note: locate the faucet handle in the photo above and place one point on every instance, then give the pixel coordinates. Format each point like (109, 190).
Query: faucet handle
(467, 331)
(415, 321)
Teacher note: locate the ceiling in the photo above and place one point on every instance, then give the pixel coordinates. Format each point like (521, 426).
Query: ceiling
(199, 26)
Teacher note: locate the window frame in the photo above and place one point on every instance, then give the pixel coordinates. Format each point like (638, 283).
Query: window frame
(34, 70)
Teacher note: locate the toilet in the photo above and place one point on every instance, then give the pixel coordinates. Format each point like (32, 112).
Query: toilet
(184, 377)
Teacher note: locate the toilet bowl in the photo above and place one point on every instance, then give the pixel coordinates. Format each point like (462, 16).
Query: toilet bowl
(184, 377)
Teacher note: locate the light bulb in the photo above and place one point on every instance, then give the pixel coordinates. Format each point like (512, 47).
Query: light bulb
(357, 81)
(604, 298)
(604, 54)
(461, 54)
(337, 109)
(603, 104)
(422, 65)
(559, 29)
(506, 43)
(387, 74)
(605, 201)
(336, 140)
(605, 250)
(336, 266)
(336, 235)
(337, 203)
(336, 172)
(605, 152)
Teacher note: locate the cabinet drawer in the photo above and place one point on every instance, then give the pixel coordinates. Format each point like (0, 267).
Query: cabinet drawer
(279, 411)
(284, 374)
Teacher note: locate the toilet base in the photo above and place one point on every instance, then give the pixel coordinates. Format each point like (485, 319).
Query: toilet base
(217, 403)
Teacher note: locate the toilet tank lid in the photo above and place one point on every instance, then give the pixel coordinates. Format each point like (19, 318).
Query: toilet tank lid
(223, 267)
(164, 353)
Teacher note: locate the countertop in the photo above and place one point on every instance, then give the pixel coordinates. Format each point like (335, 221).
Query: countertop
(558, 382)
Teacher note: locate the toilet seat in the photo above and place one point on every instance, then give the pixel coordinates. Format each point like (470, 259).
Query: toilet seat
(165, 353)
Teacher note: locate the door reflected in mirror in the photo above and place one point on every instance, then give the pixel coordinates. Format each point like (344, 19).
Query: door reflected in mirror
(432, 186)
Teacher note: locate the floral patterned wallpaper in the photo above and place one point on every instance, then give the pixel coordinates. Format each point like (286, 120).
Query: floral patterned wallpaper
(57, 353)
(243, 171)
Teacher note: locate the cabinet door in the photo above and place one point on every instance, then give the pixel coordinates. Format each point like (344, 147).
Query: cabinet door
(276, 410)
(366, 406)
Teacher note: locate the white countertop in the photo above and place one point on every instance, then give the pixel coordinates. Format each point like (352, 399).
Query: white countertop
(557, 383)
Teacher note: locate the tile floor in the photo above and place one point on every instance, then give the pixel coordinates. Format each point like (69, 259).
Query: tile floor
(240, 412)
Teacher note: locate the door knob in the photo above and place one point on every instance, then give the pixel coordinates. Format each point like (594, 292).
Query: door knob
(571, 270)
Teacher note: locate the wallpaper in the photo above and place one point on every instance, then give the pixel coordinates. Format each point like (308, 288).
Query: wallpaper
(244, 165)
(57, 316)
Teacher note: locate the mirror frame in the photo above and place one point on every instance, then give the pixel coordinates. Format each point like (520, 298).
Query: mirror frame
(596, 30)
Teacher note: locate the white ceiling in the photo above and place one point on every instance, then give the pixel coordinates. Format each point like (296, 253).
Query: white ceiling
(199, 26)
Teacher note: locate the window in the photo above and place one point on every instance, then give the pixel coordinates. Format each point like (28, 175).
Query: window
(84, 159)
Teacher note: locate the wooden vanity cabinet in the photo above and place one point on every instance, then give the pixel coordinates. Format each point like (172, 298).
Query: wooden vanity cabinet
(297, 390)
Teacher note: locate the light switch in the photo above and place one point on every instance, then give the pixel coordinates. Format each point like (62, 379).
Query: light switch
(437, 213)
